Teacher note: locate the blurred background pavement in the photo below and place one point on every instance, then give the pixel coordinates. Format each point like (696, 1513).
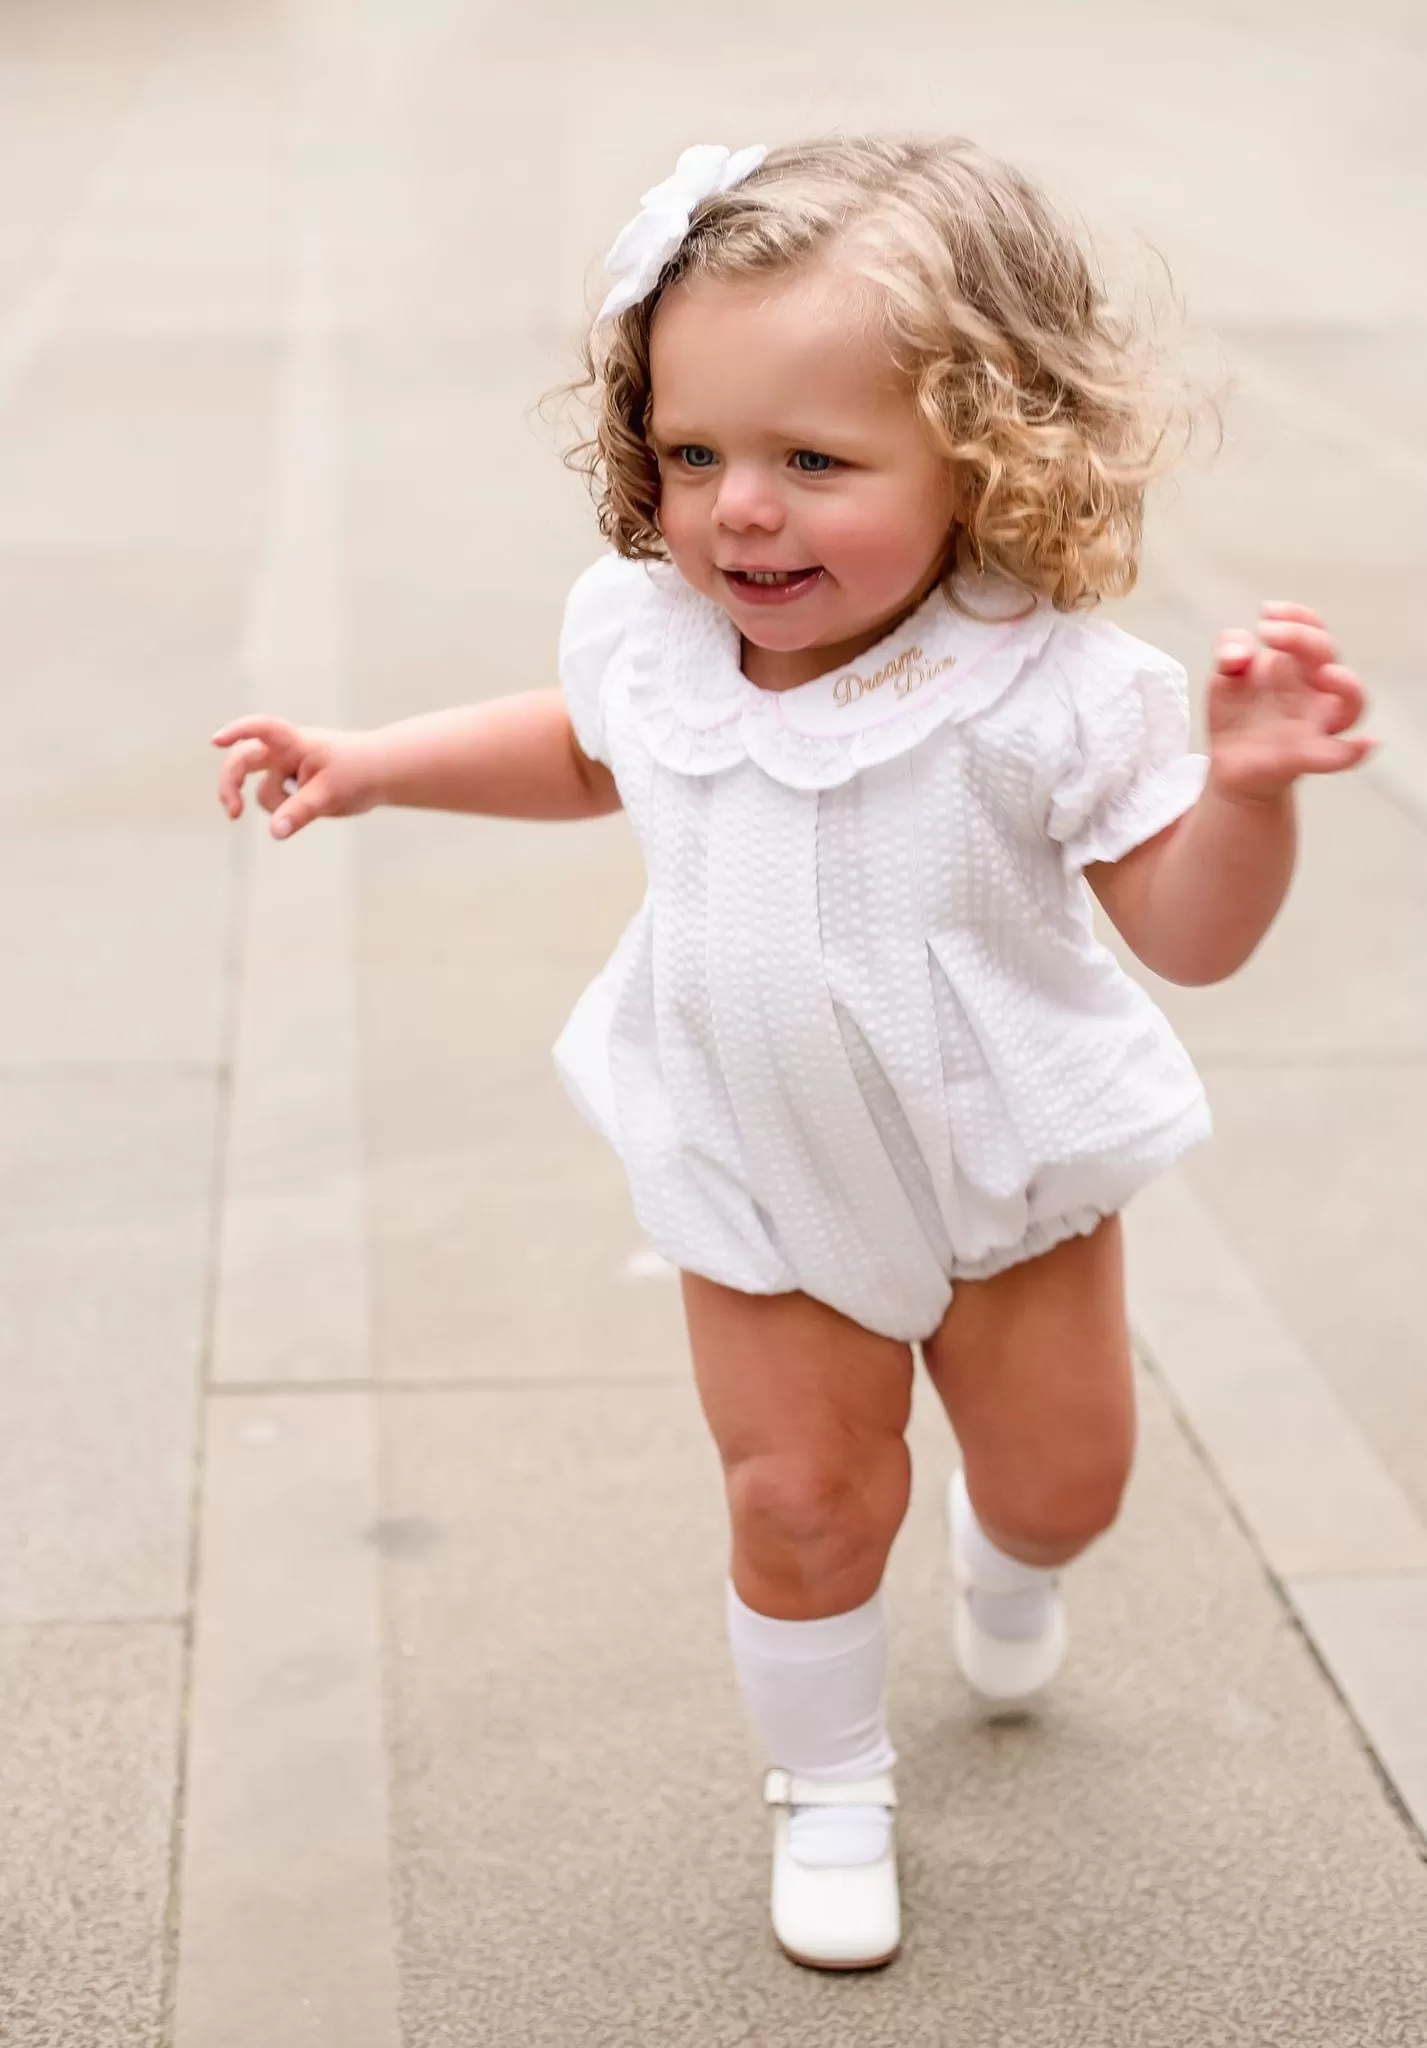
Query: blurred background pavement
(362, 1676)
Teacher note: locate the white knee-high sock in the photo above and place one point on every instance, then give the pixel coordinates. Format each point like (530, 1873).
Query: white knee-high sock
(816, 1692)
(1009, 1599)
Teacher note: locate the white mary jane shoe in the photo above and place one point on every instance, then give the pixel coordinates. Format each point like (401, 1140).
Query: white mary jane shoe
(839, 1916)
(1001, 1669)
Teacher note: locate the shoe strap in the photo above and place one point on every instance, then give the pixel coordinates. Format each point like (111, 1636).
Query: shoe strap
(782, 1788)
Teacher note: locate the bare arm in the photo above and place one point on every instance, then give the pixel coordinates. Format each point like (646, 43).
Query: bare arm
(1194, 902)
(514, 757)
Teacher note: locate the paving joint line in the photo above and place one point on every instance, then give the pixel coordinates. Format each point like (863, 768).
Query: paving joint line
(504, 1383)
(1179, 1356)
(1284, 1596)
(120, 1070)
(223, 1094)
(1417, 1834)
(1408, 1574)
(40, 1622)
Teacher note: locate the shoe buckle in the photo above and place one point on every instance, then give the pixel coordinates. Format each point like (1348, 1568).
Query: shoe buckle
(785, 1788)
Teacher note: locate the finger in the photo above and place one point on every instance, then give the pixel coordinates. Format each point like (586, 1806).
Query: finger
(1280, 608)
(273, 790)
(1310, 645)
(244, 761)
(1234, 653)
(302, 806)
(1345, 687)
(1329, 756)
(273, 732)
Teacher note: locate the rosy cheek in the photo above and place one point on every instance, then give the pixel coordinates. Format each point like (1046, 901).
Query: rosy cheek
(874, 546)
(684, 536)
(669, 513)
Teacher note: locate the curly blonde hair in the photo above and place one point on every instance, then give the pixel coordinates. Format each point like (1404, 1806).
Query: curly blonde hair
(1047, 398)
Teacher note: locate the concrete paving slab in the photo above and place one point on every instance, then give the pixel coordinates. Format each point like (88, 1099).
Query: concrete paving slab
(1371, 1632)
(120, 672)
(1191, 1846)
(434, 569)
(1362, 883)
(466, 249)
(1399, 767)
(115, 942)
(479, 1274)
(1260, 510)
(578, 1844)
(292, 1295)
(514, 637)
(285, 1936)
(501, 1229)
(112, 445)
(1326, 1513)
(1363, 376)
(60, 134)
(201, 254)
(1339, 1152)
(87, 1788)
(105, 1181)
(292, 1284)
(1308, 1484)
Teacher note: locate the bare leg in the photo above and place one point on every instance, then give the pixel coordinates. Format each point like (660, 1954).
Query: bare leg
(808, 1411)
(1034, 1370)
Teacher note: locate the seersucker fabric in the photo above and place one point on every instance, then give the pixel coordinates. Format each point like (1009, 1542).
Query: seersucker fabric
(861, 1039)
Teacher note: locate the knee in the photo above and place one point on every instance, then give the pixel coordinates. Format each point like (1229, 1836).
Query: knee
(826, 1506)
(1058, 1511)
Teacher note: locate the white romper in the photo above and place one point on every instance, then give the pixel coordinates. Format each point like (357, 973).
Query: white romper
(861, 1039)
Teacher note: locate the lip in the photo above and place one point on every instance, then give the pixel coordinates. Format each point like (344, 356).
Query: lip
(770, 593)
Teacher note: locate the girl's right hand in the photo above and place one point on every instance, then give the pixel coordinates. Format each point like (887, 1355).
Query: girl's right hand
(337, 774)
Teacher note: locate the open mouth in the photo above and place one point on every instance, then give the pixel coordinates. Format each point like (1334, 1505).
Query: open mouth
(772, 586)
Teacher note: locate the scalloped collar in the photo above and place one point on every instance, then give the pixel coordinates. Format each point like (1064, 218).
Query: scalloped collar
(699, 713)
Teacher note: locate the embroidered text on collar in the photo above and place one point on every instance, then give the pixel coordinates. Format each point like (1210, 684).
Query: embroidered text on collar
(909, 671)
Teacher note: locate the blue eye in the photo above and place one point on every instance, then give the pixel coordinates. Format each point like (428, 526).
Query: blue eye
(811, 463)
(695, 456)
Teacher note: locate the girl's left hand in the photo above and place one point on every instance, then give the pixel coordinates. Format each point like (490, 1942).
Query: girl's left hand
(1281, 706)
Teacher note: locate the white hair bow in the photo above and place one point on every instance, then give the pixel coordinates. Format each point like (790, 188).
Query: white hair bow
(645, 245)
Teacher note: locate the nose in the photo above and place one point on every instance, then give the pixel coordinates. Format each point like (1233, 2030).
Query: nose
(747, 501)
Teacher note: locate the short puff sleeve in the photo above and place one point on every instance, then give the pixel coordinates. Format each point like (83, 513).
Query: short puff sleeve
(595, 613)
(1129, 772)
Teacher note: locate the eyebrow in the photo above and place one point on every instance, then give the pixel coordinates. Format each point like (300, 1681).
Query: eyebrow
(664, 438)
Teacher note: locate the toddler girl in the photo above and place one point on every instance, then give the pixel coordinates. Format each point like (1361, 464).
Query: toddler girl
(869, 446)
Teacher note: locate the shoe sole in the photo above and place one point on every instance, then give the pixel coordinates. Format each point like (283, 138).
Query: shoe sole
(861, 1963)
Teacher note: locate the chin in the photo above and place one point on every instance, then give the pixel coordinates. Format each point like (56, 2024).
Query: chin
(782, 634)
